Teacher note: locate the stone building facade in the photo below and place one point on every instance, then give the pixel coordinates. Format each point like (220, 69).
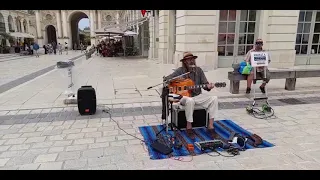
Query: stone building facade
(62, 25)
(14, 21)
(222, 37)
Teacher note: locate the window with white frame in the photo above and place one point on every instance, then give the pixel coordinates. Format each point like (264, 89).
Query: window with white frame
(236, 32)
(308, 33)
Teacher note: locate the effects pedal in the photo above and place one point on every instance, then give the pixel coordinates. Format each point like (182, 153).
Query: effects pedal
(211, 145)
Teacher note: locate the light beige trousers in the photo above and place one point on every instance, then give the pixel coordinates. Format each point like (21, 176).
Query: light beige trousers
(203, 100)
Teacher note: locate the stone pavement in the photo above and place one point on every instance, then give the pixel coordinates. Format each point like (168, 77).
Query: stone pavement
(18, 69)
(58, 138)
(38, 132)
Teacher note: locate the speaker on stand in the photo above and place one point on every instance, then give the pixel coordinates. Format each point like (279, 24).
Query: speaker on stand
(87, 100)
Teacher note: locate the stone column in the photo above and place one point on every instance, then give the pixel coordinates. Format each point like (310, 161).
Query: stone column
(59, 24)
(92, 29)
(279, 36)
(38, 24)
(171, 37)
(152, 39)
(117, 17)
(99, 19)
(197, 32)
(156, 34)
(138, 15)
(135, 17)
(22, 26)
(163, 33)
(28, 26)
(64, 23)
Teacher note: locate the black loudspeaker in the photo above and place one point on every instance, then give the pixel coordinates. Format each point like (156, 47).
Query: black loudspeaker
(87, 100)
(200, 118)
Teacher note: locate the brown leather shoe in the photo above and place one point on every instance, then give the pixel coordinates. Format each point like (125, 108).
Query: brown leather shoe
(212, 133)
(190, 134)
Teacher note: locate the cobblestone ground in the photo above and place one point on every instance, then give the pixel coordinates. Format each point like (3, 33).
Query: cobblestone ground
(59, 138)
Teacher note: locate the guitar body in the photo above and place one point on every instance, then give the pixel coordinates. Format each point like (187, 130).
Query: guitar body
(184, 87)
(180, 87)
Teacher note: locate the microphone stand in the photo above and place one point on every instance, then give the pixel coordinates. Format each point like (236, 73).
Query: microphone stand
(165, 97)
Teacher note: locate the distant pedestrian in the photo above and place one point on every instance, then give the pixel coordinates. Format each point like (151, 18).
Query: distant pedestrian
(66, 47)
(45, 49)
(75, 47)
(81, 47)
(31, 49)
(36, 48)
(54, 47)
(60, 48)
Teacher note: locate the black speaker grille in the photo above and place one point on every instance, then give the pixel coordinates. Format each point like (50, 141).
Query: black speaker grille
(87, 103)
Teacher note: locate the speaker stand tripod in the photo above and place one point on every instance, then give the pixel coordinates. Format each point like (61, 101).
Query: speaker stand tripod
(71, 96)
(170, 125)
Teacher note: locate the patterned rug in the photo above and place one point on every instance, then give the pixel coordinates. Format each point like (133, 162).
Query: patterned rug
(222, 127)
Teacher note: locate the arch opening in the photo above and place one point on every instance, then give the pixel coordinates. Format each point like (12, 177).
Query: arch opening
(51, 34)
(80, 29)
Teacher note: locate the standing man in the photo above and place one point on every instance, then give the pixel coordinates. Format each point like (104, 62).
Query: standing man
(36, 48)
(54, 47)
(81, 47)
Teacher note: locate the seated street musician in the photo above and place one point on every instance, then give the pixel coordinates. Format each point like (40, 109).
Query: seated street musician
(197, 98)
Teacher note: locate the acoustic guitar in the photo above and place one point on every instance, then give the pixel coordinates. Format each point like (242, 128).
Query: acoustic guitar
(183, 87)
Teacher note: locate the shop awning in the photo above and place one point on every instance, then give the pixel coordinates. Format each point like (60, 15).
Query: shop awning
(21, 35)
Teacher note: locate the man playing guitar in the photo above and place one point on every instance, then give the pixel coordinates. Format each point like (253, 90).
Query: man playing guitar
(197, 98)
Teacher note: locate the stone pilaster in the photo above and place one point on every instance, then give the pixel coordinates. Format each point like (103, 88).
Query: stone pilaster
(197, 32)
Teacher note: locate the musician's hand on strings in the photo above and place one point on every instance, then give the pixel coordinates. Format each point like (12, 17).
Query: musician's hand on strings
(210, 86)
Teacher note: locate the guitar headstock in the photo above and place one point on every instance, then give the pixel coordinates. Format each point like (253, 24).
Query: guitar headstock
(220, 84)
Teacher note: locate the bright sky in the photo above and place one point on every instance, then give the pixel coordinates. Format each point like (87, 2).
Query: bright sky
(83, 23)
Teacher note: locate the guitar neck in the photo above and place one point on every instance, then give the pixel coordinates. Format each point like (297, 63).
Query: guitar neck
(197, 86)
(217, 84)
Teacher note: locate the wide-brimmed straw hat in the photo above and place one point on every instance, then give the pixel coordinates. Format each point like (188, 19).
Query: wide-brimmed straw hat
(188, 55)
